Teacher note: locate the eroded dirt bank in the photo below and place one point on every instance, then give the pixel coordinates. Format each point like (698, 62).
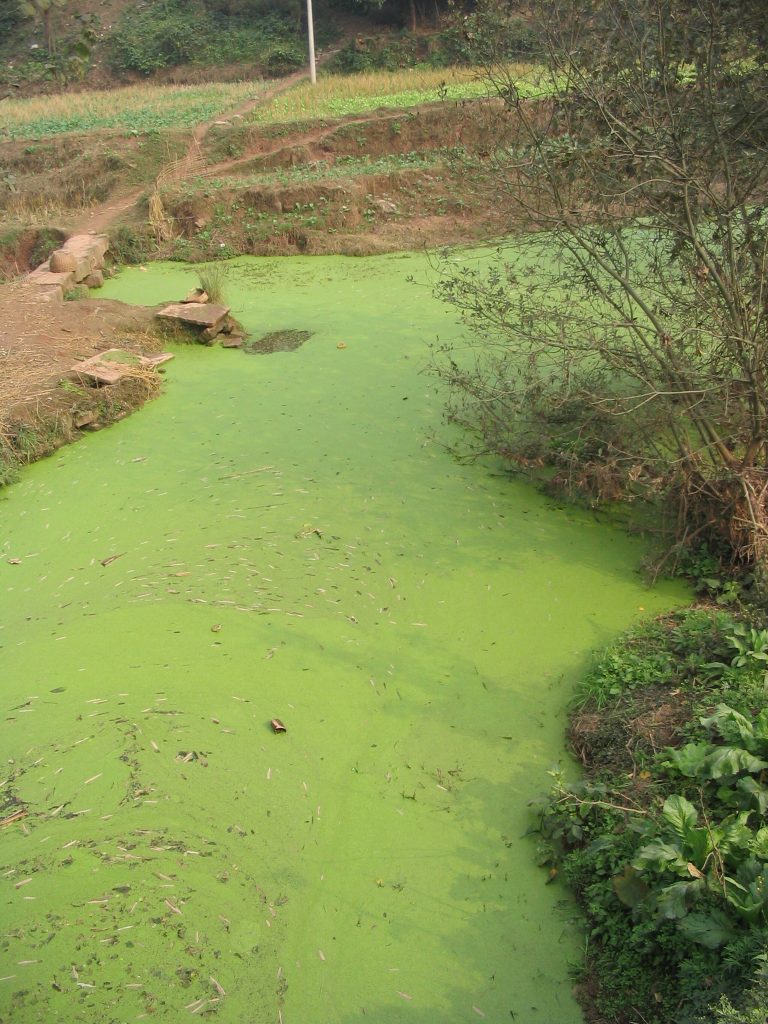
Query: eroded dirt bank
(42, 404)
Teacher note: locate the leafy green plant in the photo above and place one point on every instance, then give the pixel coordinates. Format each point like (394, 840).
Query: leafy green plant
(153, 37)
(720, 865)
(172, 32)
(750, 644)
(753, 1006)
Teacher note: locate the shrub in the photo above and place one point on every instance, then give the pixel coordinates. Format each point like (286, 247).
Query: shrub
(128, 246)
(172, 32)
(667, 854)
(165, 33)
(46, 242)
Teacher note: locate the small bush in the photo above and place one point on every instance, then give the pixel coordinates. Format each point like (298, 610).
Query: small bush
(9, 469)
(153, 37)
(285, 57)
(127, 246)
(439, 50)
(46, 242)
(10, 18)
(173, 32)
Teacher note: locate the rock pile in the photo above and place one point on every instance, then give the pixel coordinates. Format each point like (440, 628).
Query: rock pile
(79, 261)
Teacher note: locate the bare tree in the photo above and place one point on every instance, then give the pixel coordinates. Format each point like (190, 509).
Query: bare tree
(623, 334)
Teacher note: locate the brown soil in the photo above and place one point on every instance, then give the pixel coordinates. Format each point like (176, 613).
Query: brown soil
(40, 343)
(622, 736)
(64, 332)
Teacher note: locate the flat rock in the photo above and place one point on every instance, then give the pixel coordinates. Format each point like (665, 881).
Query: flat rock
(50, 293)
(46, 278)
(210, 316)
(108, 367)
(94, 246)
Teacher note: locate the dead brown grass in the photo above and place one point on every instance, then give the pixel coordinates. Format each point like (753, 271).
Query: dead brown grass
(24, 377)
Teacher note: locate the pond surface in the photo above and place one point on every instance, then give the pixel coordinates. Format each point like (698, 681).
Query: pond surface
(277, 537)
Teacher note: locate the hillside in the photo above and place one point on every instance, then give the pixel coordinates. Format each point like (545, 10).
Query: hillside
(74, 44)
(360, 163)
(90, 43)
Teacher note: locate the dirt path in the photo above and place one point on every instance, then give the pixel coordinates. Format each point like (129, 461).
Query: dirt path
(105, 215)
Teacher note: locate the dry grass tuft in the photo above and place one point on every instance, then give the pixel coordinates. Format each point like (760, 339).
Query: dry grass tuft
(24, 377)
(213, 280)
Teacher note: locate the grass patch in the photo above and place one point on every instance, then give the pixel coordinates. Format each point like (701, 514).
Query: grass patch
(213, 280)
(136, 108)
(322, 170)
(339, 96)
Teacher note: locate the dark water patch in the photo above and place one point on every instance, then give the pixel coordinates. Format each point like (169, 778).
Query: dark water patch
(277, 341)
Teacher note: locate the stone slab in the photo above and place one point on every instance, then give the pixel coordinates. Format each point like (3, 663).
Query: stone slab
(46, 278)
(50, 293)
(210, 316)
(88, 253)
(94, 246)
(94, 280)
(104, 370)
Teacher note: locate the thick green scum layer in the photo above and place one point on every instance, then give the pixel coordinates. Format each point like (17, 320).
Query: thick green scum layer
(290, 545)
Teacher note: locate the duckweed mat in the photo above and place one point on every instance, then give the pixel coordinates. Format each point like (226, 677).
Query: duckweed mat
(279, 538)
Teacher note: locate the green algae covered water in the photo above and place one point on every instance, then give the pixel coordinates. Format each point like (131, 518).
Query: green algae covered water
(275, 537)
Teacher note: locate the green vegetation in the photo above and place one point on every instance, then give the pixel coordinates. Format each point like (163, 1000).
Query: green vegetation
(10, 19)
(23, 248)
(128, 246)
(663, 841)
(173, 32)
(321, 170)
(9, 468)
(440, 49)
(334, 96)
(45, 12)
(139, 108)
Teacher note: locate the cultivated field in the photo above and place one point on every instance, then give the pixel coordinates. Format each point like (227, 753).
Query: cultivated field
(139, 108)
(338, 96)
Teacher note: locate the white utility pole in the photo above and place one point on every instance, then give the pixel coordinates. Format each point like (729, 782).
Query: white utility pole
(311, 34)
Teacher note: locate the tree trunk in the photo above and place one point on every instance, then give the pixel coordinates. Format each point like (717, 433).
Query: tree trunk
(414, 18)
(50, 38)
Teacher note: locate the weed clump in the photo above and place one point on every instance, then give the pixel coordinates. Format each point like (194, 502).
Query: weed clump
(213, 279)
(127, 246)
